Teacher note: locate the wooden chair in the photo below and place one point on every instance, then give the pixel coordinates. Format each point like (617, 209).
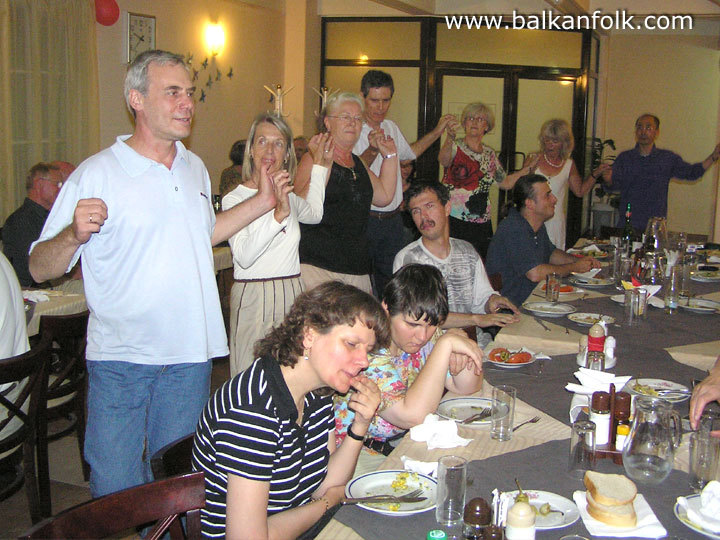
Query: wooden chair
(174, 458)
(163, 502)
(23, 380)
(67, 378)
(495, 281)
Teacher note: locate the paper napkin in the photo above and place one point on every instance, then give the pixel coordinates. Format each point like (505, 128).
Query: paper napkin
(423, 467)
(438, 433)
(709, 508)
(648, 525)
(35, 296)
(587, 275)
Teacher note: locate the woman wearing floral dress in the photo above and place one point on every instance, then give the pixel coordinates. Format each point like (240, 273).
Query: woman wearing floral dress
(471, 168)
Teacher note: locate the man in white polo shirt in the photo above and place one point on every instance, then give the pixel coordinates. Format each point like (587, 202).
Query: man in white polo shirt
(385, 231)
(140, 213)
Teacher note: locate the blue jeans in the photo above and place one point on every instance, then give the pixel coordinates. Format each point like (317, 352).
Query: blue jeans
(133, 411)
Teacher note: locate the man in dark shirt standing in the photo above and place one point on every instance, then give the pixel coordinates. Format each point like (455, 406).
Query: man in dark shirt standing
(521, 250)
(24, 225)
(642, 175)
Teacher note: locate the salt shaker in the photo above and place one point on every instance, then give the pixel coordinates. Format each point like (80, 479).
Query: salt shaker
(520, 523)
(600, 415)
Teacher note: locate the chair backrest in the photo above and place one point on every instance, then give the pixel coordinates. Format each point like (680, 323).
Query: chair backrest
(495, 281)
(163, 501)
(174, 458)
(23, 380)
(67, 370)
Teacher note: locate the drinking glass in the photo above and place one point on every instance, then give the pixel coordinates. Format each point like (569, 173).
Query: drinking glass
(623, 272)
(503, 412)
(672, 290)
(688, 269)
(582, 448)
(635, 306)
(704, 452)
(552, 287)
(451, 482)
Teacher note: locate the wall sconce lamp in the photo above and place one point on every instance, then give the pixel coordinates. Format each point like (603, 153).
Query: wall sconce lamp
(214, 38)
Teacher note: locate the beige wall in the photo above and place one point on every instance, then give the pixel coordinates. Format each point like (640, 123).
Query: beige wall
(254, 48)
(677, 78)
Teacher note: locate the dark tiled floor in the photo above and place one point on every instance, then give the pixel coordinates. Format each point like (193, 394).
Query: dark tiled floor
(67, 485)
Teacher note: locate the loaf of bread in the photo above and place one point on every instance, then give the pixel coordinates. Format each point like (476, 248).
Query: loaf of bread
(610, 498)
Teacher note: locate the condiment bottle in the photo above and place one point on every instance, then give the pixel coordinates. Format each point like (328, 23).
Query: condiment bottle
(596, 338)
(476, 517)
(622, 418)
(520, 522)
(600, 414)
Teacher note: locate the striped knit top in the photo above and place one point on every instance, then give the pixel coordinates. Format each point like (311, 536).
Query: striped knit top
(249, 428)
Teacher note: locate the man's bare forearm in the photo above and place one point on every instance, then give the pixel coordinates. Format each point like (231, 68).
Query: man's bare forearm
(50, 259)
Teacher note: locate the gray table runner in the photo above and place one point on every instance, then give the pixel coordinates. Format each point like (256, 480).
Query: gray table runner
(540, 467)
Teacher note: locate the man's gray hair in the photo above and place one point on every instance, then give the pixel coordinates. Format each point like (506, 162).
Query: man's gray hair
(137, 73)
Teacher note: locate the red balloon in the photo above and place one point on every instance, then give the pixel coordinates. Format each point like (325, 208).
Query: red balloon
(107, 12)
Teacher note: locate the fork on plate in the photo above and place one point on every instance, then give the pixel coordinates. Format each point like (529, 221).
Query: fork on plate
(412, 496)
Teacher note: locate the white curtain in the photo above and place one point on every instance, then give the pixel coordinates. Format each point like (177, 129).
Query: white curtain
(48, 89)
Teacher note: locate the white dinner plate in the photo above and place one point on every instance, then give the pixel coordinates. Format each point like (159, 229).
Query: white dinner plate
(554, 520)
(706, 276)
(512, 351)
(381, 483)
(459, 409)
(549, 309)
(592, 282)
(659, 384)
(700, 305)
(693, 502)
(588, 319)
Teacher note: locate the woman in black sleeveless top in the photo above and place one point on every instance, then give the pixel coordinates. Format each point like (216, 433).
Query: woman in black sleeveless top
(336, 248)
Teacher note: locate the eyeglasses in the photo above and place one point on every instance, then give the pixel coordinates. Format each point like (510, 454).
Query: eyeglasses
(473, 119)
(347, 119)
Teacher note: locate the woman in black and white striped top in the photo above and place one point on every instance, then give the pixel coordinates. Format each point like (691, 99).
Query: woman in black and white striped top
(265, 440)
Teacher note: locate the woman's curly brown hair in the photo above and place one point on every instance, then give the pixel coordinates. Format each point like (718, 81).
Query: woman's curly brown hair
(328, 305)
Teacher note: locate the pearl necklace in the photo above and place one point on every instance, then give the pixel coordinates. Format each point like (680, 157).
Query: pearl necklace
(551, 163)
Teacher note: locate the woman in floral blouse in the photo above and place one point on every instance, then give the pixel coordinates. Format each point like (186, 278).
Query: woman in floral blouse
(471, 168)
(420, 363)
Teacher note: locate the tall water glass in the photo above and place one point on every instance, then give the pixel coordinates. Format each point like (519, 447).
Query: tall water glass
(672, 289)
(552, 287)
(688, 270)
(624, 269)
(503, 412)
(582, 448)
(452, 480)
(704, 453)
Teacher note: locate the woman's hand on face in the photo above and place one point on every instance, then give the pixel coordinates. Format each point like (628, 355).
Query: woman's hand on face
(364, 400)
(386, 145)
(321, 148)
(282, 188)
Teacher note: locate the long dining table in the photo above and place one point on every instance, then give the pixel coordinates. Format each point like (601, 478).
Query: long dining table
(679, 347)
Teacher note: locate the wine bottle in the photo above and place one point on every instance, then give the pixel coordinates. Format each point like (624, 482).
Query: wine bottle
(628, 232)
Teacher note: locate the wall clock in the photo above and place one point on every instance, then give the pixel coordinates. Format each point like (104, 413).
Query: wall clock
(140, 34)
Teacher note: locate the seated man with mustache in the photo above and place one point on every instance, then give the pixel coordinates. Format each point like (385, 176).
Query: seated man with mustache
(472, 300)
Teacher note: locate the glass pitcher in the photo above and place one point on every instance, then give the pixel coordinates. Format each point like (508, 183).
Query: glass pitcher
(653, 273)
(650, 448)
(656, 234)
